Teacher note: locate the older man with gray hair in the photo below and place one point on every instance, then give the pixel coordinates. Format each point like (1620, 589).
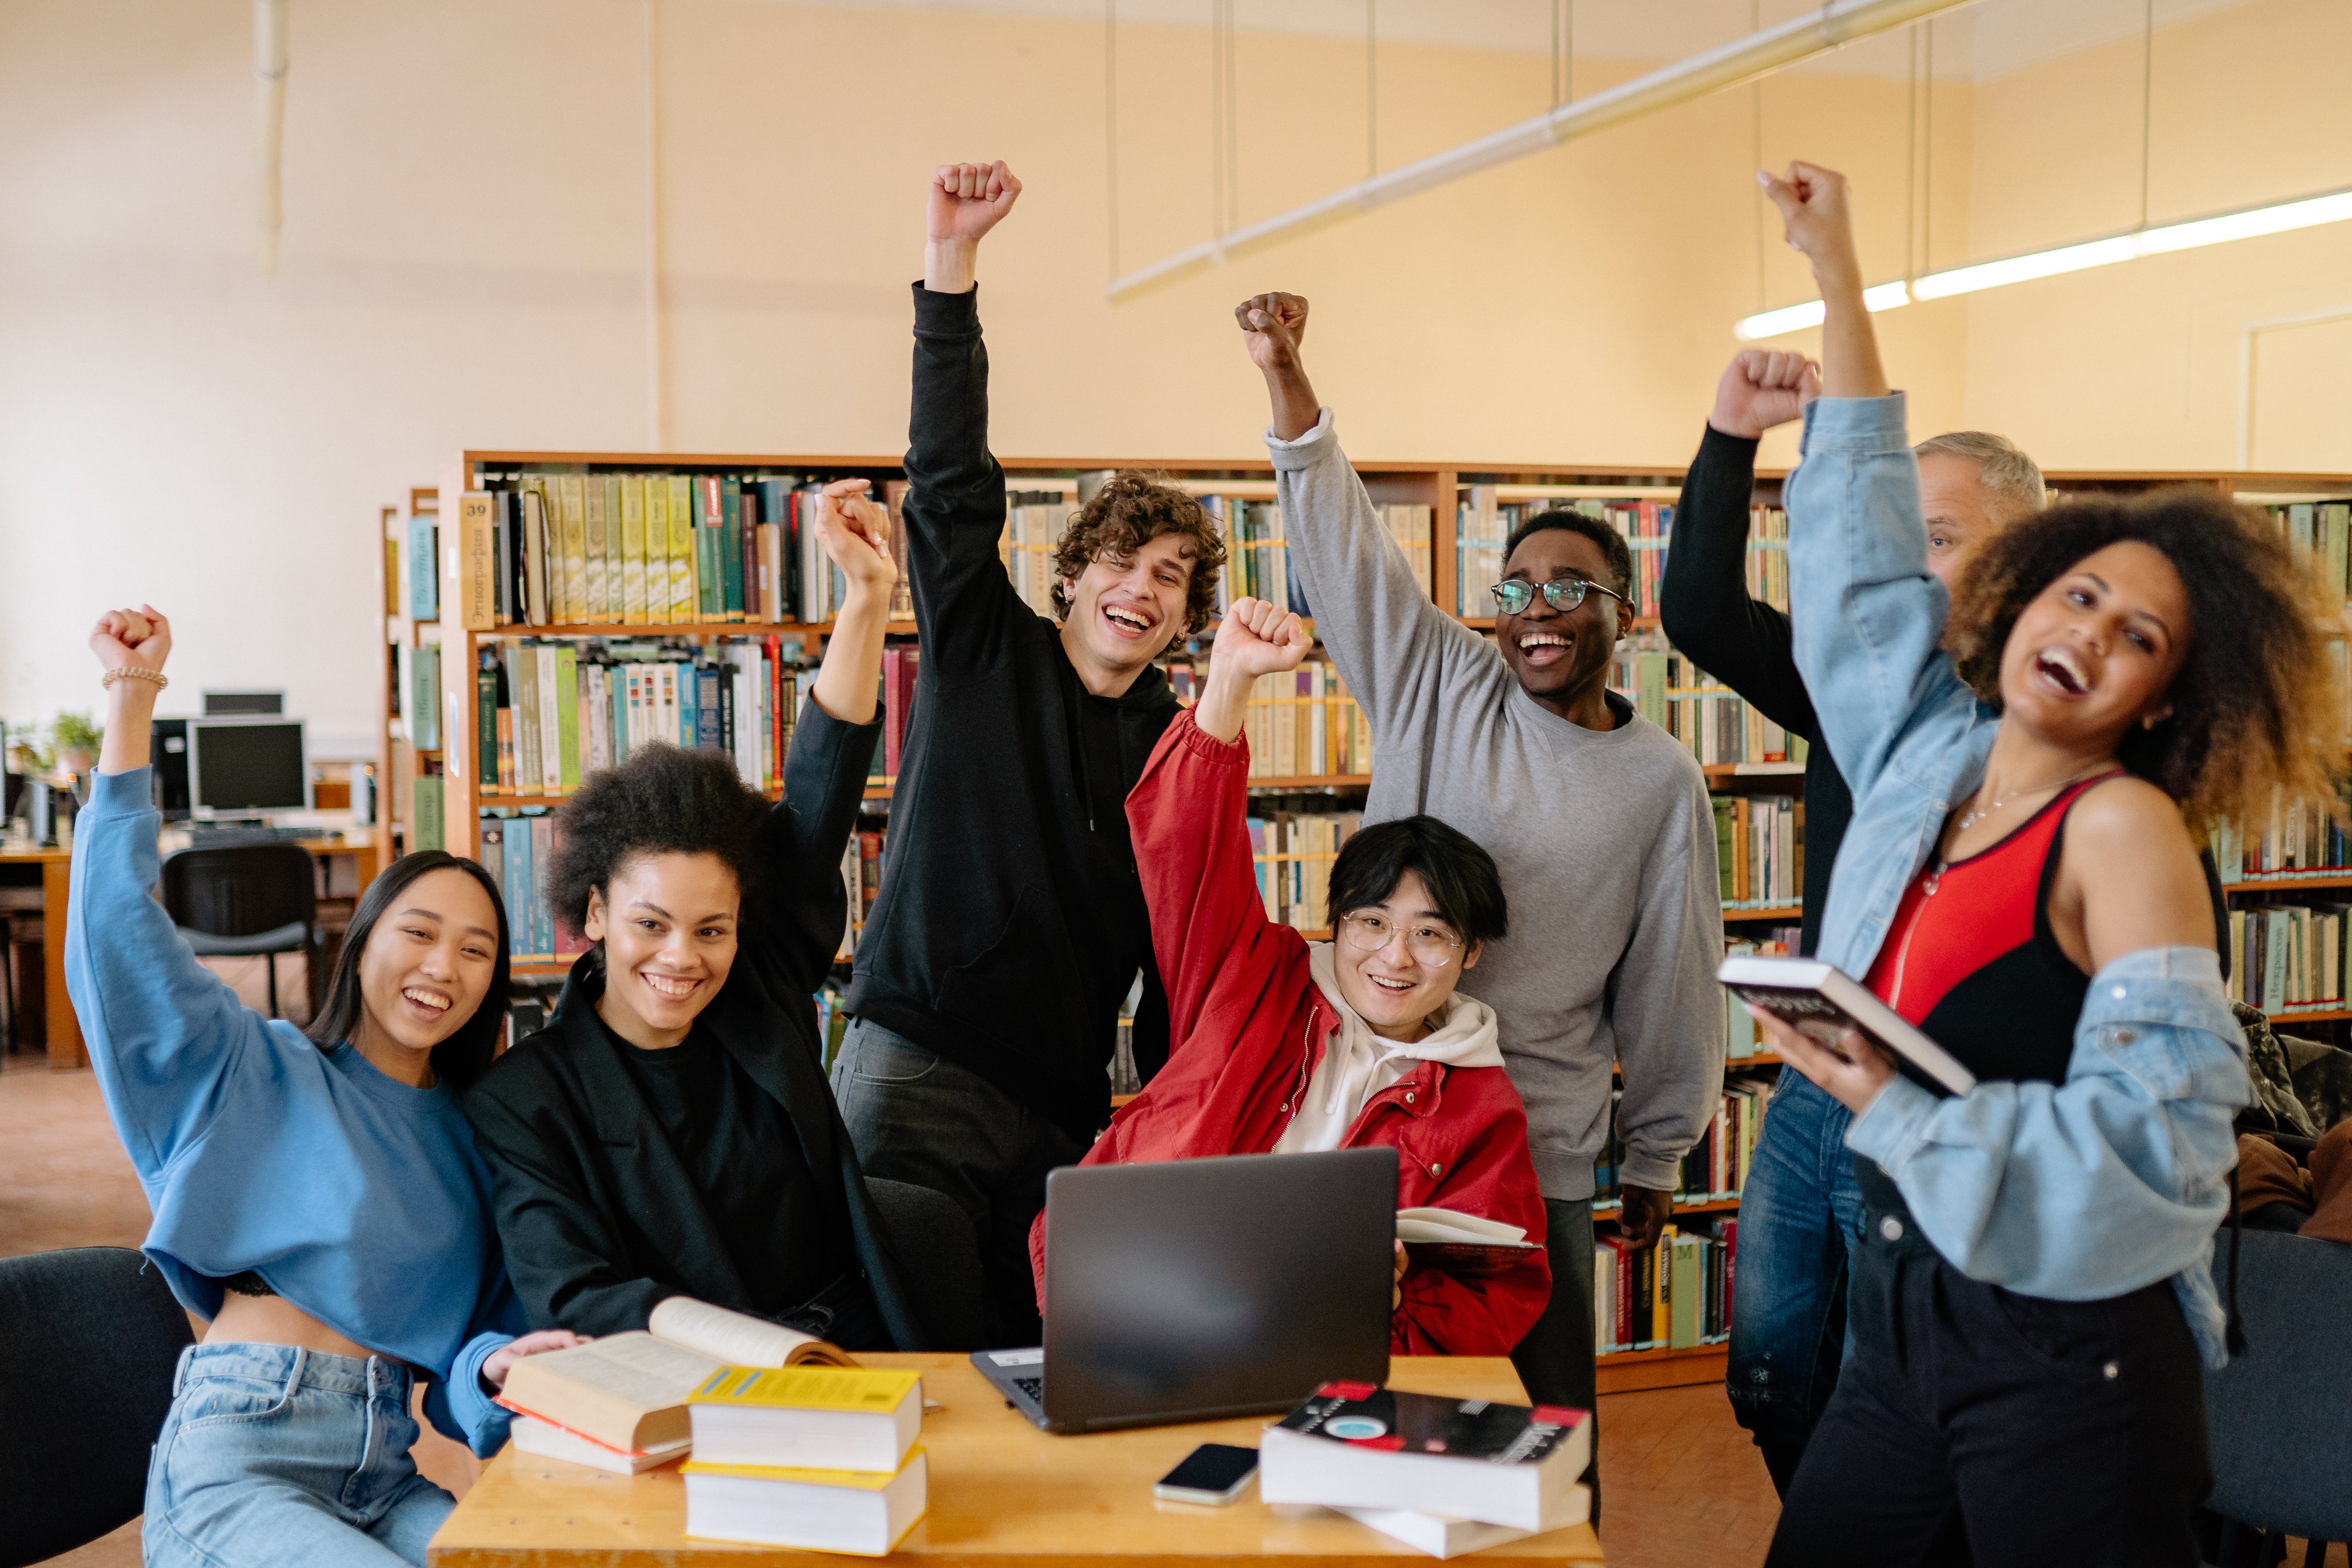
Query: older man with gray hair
(1787, 1318)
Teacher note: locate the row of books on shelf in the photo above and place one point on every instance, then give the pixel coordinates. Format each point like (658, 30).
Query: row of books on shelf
(1740, 1041)
(1718, 725)
(2285, 956)
(2295, 842)
(1302, 722)
(1759, 849)
(1675, 1296)
(1483, 524)
(1714, 1169)
(2321, 532)
(572, 548)
(1292, 852)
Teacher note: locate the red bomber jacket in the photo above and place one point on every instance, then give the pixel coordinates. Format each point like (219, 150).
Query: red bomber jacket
(1247, 1024)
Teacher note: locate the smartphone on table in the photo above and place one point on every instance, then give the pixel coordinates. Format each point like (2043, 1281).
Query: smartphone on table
(1214, 1473)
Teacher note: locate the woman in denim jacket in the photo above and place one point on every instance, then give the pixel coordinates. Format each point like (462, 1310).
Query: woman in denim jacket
(2031, 1298)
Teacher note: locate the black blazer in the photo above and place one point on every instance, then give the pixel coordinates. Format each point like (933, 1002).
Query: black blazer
(598, 1216)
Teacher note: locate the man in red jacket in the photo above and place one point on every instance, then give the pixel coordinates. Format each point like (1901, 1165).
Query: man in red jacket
(1283, 1046)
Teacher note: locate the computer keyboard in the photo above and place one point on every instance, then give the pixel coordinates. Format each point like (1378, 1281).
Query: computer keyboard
(201, 837)
(1035, 1387)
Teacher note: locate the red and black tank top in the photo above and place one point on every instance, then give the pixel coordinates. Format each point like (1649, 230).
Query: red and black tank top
(1972, 960)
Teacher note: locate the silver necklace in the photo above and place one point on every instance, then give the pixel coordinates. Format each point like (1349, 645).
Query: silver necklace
(1970, 818)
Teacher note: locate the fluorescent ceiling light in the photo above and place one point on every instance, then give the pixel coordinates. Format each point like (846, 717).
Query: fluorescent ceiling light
(2277, 218)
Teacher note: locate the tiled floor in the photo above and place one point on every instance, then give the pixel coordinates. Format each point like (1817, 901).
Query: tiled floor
(1681, 1484)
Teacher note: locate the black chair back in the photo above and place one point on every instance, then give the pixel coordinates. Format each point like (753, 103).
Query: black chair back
(939, 1260)
(2275, 1416)
(88, 1339)
(241, 891)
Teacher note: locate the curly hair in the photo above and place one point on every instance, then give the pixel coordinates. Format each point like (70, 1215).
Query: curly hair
(1131, 510)
(2258, 707)
(662, 801)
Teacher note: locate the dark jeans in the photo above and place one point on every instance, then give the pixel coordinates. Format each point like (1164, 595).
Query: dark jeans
(1789, 1285)
(916, 1118)
(1555, 1361)
(2056, 1432)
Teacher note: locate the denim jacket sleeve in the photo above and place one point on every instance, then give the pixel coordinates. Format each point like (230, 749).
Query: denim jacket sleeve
(2111, 1181)
(1868, 619)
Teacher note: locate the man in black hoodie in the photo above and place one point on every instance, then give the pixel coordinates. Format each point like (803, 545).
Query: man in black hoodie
(1011, 924)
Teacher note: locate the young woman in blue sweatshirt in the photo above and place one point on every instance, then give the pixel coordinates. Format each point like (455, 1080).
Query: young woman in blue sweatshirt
(317, 1198)
(2030, 1294)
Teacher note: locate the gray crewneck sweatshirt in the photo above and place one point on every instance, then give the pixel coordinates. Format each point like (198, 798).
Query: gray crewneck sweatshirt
(1605, 841)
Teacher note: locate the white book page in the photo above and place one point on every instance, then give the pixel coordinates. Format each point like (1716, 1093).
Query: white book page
(1445, 1224)
(736, 1339)
(644, 1372)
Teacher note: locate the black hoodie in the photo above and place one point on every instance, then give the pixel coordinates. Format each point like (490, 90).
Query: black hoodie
(1010, 923)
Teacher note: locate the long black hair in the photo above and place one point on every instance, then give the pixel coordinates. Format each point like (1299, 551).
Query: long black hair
(466, 1055)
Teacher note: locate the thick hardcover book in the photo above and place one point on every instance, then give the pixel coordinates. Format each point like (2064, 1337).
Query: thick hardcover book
(709, 530)
(731, 550)
(1354, 1445)
(681, 549)
(1823, 1002)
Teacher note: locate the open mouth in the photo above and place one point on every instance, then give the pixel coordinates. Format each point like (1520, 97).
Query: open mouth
(424, 1002)
(1126, 623)
(2060, 669)
(1539, 650)
(1394, 987)
(668, 987)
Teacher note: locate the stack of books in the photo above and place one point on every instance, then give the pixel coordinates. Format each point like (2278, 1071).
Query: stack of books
(821, 1458)
(1448, 1475)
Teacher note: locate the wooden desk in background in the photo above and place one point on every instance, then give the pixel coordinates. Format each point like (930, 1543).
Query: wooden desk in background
(1003, 1495)
(63, 1030)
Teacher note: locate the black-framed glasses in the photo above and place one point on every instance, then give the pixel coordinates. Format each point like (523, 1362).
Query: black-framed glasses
(1432, 947)
(1562, 594)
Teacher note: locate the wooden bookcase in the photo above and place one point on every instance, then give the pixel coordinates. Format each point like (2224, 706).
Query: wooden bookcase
(1438, 487)
(397, 761)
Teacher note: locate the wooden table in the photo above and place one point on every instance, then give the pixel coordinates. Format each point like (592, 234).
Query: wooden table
(1001, 1493)
(65, 1050)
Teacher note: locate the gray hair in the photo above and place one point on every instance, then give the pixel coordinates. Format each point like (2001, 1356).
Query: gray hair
(2009, 477)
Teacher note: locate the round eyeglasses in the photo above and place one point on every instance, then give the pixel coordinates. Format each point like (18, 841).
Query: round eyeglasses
(1562, 594)
(1432, 947)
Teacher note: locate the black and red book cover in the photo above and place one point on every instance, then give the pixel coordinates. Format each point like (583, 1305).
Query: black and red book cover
(1365, 1415)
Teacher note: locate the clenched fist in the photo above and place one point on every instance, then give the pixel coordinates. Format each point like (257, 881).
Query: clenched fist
(1816, 219)
(1762, 388)
(1273, 326)
(1258, 638)
(856, 532)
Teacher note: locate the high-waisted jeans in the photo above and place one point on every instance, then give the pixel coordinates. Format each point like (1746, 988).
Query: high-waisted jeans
(273, 1455)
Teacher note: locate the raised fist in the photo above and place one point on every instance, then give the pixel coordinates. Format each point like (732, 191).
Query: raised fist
(1273, 326)
(968, 200)
(139, 638)
(1256, 638)
(856, 532)
(1761, 388)
(1815, 218)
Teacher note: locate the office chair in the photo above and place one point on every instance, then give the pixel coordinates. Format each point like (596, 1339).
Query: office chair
(248, 900)
(88, 1340)
(2274, 1416)
(939, 1260)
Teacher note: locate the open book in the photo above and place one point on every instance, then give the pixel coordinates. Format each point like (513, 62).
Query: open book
(1461, 1243)
(628, 1392)
(1821, 1000)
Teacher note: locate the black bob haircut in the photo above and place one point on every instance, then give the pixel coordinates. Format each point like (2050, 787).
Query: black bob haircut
(663, 801)
(1614, 548)
(466, 1055)
(1462, 879)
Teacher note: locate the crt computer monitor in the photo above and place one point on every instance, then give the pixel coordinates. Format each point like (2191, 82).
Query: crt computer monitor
(243, 767)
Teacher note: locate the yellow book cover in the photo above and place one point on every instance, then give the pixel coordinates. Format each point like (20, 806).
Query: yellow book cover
(596, 550)
(683, 601)
(478, 562)
(854, 1480)
(864, 1390)
(616, 598)
(657, 549)
(573, 502)
(633, 549)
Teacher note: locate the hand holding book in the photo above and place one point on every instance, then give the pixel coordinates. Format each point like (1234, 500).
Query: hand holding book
(1848, 1064)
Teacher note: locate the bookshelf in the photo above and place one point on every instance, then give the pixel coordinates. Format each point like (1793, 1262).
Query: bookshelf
(1450, 492)
(397, 760)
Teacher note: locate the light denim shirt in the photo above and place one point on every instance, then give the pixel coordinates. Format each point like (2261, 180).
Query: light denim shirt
(2076, 1192)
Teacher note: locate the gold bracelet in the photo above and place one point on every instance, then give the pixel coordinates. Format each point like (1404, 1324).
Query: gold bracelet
(132, 672)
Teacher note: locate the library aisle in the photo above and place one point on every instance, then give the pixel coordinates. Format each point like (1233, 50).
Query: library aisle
(1680, 1483)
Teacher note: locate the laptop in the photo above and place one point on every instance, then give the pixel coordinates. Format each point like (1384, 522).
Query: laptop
(1194, 1289)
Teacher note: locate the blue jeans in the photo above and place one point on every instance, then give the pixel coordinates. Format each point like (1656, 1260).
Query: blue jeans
(273, 1455)
(1788, 1283)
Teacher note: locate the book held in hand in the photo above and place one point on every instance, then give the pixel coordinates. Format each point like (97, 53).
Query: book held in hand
(1462, 1243)
(545, 1440)
(1353, 1445)
(1821, 1001)
(1443, 1537)
(628, 1392)
(841, 1418)
(857, 1511)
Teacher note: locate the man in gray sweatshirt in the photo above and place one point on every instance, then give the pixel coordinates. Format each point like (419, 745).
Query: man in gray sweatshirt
(1599, 819)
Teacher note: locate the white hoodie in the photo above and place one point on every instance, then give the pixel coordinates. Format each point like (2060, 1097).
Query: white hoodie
(1357, 1064)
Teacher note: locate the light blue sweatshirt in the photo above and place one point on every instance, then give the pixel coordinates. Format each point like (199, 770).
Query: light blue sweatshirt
(2076, 1191)
(358, 1198)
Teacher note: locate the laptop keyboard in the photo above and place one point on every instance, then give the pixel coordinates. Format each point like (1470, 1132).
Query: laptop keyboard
(1035, 1387)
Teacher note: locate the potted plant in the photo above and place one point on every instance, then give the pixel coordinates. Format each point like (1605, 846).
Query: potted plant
(77, 741)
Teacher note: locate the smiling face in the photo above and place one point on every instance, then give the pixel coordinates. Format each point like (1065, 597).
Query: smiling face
(1391, 989)
(1558, 655)
(1125, 611)
(2096, 651)
(1959, 513)
(668, 925)
(429, 962)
